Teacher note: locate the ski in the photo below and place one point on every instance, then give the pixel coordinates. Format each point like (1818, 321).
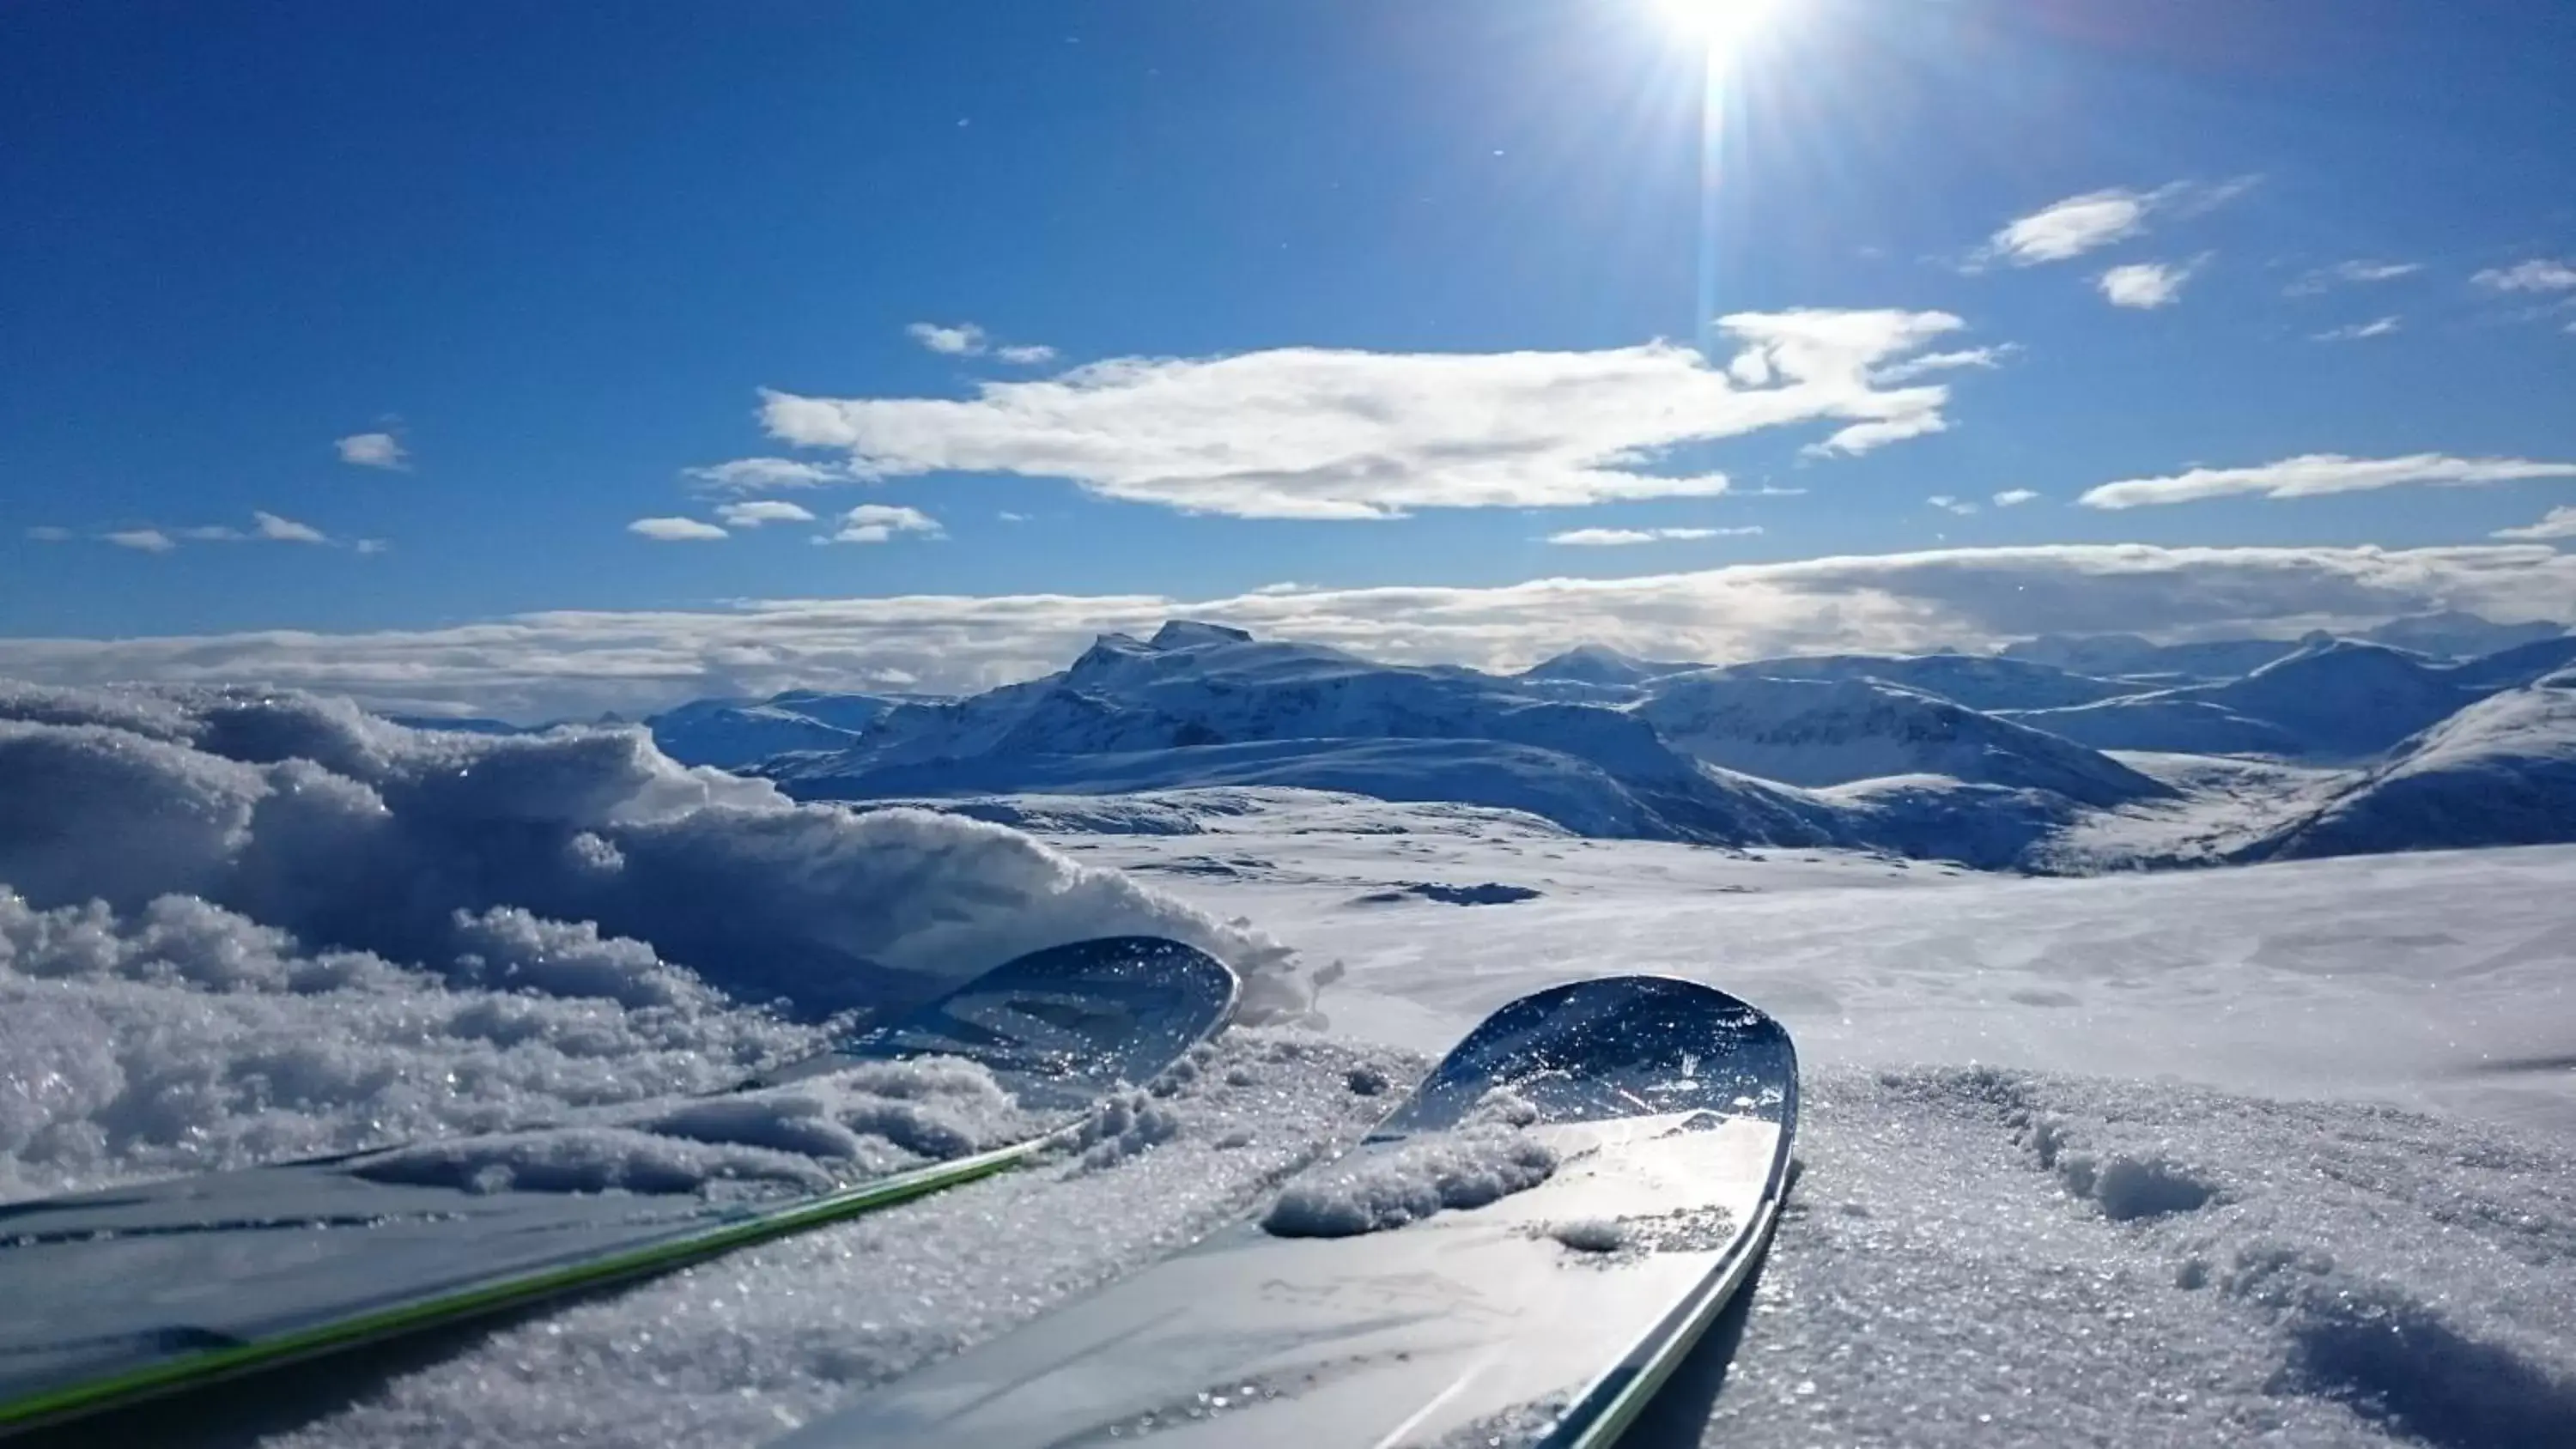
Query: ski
(1520, 1254)
(119, 1295)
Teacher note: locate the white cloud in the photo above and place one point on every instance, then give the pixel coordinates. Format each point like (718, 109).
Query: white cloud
(47, 533)
(963, 340)
(212, 533)
(1948, 504)
(675, 530)
(754, 474)
(286, 530)
(577, 663)
(1619, 537)
(371, 545)
(2359, 330)
(2147, 285)
(1931, 362)
(2350, 274)
(2064, 230)
(145, 540)
(2067, 229)
(2316, 474)
(1315, 433)
(2014, 497)
(2541, 274)
(877, 522)
(373, 450)
(1009, 517)
(1027, 354)
(756, 512)
(2557, 523)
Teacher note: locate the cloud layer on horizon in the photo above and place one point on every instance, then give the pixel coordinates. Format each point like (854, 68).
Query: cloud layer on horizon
(2313, 475)
(1320, 433)
(572, 663)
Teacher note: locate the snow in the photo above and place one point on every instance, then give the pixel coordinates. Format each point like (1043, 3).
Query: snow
(1834, 731)
(1978, 681)
(2281, 1152)
(1382, 1186)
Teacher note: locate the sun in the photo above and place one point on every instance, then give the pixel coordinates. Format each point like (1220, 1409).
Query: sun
(1721, 25)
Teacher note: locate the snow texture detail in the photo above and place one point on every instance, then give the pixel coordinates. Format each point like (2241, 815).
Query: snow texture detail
(1383, 1186)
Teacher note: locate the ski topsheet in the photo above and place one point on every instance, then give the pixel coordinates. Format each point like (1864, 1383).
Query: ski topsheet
(115, 1295)
(1518, 1255)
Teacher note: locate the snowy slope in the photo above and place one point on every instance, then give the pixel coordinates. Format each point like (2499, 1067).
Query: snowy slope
(2335, 699)
(729, 734)
(1602, 665)
(2165, 1159)
(2128, 656)
(1202, 704)
(1979, 681)
(2455, 634)
(2512, 668)
(1832, 731)
(2501, 772)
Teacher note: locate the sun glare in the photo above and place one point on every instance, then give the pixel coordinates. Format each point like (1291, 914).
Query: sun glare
(1721, 25)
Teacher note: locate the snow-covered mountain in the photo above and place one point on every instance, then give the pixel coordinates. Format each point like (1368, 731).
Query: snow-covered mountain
(2501, 772)
(2130, 656)
(732, 733)
(1979, 681)
(2520, 665)
(1204, 704)
(2336, 699)
(1601, 664)
(1835, 731)
(2454, 634)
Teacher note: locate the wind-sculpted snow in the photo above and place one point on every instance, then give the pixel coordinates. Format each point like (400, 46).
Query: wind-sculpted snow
(1382, 1186)
(811, 1135)
(1834, 731)
(285, 843)
(2501, 772)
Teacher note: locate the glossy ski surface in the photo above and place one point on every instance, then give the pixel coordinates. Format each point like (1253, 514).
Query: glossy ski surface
(1547, 1315)
(116, 1295)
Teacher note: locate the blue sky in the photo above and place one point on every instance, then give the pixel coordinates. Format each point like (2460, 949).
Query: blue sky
(1397, 260)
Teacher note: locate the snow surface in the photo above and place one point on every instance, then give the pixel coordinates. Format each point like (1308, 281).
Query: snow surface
(2276, 1153)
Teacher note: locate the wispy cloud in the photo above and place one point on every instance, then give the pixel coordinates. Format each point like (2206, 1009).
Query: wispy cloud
(877, 522)
(1931, 362)
(373, 450)
(577, 663)
(47, 533)
(1316, 433)
(2541, 274)
(754, 513)
(2316, 474)
(142, 540)
(2358, 331)
(753, 474)
(286, 530)
(370, 545)
(2065, 230)
(2148, 285)
(1949, 504)
(963, 340)
(675, 530)
(2557, 523)
(2357, 273)
(1026, 354)
(1624, 537)
(2014, 497)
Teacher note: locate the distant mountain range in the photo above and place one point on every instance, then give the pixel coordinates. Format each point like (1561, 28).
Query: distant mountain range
(1980, 758)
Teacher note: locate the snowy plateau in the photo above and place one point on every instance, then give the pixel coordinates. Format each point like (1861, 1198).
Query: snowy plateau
(2188, 1036)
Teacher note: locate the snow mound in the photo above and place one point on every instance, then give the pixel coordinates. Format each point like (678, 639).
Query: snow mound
(1833, 731)
(1386, 1185)
(2501, 772)
(577, 861)
(812, 1135)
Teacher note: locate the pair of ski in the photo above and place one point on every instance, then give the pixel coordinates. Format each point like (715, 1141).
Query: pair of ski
(1519, 1253)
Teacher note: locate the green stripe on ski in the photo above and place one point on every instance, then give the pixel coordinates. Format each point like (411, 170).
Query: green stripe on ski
(203, 1368)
